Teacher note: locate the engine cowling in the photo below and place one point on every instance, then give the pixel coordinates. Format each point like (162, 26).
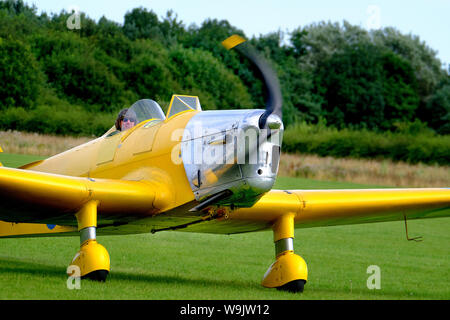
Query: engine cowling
(226, 150)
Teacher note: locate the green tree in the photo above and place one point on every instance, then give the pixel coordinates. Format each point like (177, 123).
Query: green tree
(351, 85)
(437, 111)
(75, 72)
(299, 101)
(18, 21)
(19, 73)
(424, 62)
(115, 45)
(367, 87)
(142, 24)
(171, 28)
(209, 36)
(318, 42)
(399, 90)
(150, 72)
(17, 7)
(200, 73)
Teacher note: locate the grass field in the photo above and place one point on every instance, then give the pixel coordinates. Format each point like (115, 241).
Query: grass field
(177, 265)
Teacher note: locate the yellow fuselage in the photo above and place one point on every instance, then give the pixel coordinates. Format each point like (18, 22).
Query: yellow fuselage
(141, 153)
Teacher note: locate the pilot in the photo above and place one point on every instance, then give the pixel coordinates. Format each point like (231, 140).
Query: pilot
(125, 120)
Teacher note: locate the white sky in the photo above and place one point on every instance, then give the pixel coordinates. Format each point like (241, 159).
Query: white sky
(428, 19)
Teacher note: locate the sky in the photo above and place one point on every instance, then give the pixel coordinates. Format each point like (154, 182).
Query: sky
(428, 19)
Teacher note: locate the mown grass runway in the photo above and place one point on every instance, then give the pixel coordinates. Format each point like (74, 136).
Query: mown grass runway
(178, 265)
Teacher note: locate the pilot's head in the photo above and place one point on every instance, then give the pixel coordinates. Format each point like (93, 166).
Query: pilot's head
(126, 119)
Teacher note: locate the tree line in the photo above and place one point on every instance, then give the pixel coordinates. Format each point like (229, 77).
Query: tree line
(330, 73)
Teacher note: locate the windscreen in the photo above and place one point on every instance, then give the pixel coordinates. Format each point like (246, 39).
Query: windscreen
(144, 110)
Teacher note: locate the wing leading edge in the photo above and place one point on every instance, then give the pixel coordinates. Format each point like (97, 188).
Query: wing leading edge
(44, 198)
(314, 208)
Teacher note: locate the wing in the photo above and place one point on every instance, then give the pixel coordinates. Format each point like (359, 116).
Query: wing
(36, 197)
(314, 208)
(33, 197)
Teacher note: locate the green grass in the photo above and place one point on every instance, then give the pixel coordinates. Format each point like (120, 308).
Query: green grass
(177, 265)
(17, 160)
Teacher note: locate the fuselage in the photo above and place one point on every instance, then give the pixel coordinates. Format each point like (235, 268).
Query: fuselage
(234, 156)
(140, 153)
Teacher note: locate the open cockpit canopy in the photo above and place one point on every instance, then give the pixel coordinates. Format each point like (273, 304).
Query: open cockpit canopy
(145, 109)
(150, 112)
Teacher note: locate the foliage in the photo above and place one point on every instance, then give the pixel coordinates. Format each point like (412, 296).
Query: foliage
(437, 110)
(191, 72)
(141, 24)
(405, 73)
(54, 120)
(333, 73)
(19, 73)
(409, 145)
(149, 73)
(366, 87)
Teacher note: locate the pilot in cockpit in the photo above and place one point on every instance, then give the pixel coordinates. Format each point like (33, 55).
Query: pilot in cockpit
(126, 119)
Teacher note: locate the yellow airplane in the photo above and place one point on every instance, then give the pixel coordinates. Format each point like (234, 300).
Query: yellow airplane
(193, 171)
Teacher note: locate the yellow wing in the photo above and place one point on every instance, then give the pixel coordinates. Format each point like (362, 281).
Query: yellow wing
(36, 197)
(314, 208)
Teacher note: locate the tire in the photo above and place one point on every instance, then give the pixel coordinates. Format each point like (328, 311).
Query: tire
(294, 286)
(97, 275)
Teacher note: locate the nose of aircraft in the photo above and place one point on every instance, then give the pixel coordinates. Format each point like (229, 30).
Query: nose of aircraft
(226, 150)
(274, 122)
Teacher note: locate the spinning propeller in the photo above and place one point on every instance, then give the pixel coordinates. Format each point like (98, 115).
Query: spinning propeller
(270, 79)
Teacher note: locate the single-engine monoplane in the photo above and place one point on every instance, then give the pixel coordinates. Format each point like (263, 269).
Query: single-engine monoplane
(193, 171)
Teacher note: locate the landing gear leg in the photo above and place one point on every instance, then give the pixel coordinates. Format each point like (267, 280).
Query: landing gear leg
(92, 259)
(289, 271)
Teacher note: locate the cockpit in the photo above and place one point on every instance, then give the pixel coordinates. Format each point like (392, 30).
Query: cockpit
(146, 109)
(147, 112)
(150, 111)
